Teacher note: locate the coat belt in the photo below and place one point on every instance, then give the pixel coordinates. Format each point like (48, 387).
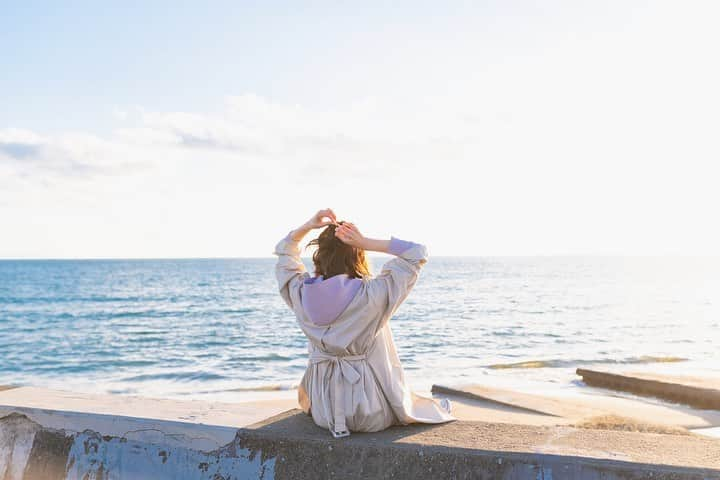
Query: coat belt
(344, 371)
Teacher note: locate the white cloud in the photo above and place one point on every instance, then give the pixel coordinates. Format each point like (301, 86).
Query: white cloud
(529, 175)
(24, 153)
(19, 144)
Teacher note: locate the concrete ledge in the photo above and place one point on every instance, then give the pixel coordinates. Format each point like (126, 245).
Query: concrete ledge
(291, 446)
(494, 395)
(676, 391)
(29, 451)
(196, 436)
(479, 450)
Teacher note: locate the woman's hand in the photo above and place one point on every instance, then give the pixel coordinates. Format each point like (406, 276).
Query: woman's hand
(318, 220)
(349, 234)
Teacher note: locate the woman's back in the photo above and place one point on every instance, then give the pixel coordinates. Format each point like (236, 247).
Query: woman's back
(354, 380)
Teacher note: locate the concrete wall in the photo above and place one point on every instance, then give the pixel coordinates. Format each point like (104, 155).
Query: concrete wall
(29, 451)
(698, 397)
(290, 446)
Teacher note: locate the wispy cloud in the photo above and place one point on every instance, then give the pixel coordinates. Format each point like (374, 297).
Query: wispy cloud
(19, 150)
(70, 154)
(254, 125)
(19, 145)
(364, 139)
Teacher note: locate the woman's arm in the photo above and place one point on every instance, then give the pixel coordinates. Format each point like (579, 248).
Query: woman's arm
(398, 276)
(375, 245)
(349, 233)
(299, 233)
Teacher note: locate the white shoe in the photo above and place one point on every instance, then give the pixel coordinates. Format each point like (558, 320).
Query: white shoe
(445, 403)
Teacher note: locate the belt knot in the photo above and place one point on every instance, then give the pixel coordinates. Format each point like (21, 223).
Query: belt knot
(342, 361)
(345, 371)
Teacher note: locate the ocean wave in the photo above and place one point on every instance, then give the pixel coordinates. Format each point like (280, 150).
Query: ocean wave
(560, 363)
(179, 376)
(269, 357)
(274, 387)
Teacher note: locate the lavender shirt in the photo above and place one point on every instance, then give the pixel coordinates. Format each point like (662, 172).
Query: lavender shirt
(324, 300)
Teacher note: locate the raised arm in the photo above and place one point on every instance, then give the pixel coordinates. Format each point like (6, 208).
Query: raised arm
(397, 276)
(289, 269)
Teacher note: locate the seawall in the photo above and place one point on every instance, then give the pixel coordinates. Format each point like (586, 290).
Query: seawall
(290, 446)
(704, 394)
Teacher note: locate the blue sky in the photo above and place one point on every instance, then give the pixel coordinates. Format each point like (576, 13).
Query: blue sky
(65, 62)
(169, 129)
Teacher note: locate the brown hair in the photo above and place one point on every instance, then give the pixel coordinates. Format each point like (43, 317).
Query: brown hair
(334, 257)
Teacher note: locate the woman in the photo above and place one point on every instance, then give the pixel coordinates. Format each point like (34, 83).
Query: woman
(354, 380)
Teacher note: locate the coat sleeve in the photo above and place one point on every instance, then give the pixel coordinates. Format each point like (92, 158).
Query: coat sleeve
(397, 277)
(290, 271)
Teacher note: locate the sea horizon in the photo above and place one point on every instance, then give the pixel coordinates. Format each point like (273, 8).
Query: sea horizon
(658, 256)
(198, 328)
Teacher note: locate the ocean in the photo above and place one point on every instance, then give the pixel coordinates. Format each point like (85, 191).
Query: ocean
(218, 329)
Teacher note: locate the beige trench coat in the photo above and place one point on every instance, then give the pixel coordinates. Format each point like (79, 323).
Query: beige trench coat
(354, 380)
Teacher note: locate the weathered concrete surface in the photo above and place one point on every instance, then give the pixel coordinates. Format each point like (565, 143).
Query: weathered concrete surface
(673, 388)
(511, 443)
(291, 446)
(49, 455)
(186, 434)
(507, 398)
(17, 437)
(235, 414)
(88, 455)
(573, 407)
(707, 381)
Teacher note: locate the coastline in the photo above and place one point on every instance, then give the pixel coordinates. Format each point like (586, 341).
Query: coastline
(101, 435)
(509, 402)
(505, 433)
